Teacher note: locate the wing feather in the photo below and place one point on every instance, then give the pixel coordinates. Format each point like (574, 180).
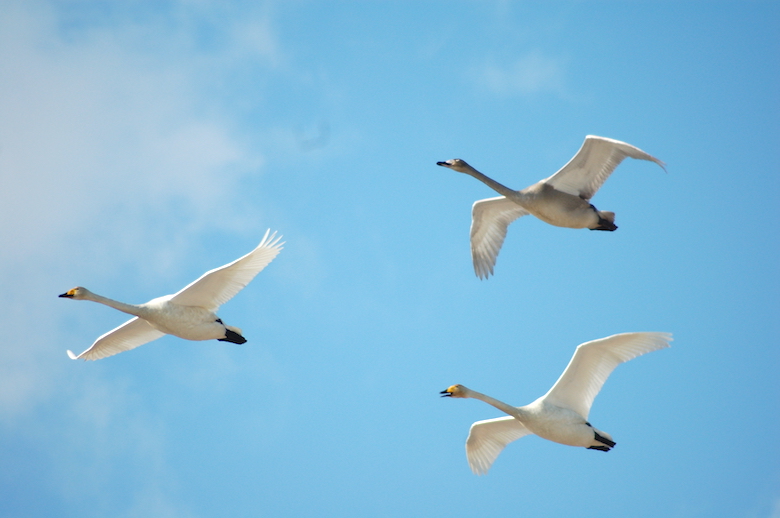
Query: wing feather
(488, 438)
(592, 364)
(489, 221)
(219, 285)
(598, 157)
(131, 334)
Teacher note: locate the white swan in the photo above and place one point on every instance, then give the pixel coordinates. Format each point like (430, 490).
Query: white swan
(561, 415)
(561, 200)
(189, 314)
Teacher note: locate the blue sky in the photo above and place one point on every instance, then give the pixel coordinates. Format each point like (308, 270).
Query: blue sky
(143, 143)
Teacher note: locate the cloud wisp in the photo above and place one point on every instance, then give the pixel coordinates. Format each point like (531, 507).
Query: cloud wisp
(530, 74)
(113, 153)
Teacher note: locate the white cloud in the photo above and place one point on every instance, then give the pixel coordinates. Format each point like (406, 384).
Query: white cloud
(530, 74)
(113, 154)
(93, 131)
(96, 142)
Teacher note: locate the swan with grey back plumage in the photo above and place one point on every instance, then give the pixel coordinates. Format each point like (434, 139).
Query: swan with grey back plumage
(562, 200)
(561, 415)
(189, 313)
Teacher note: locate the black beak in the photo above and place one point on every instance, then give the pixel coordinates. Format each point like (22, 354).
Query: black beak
(444, 164)
(66, 295)
(444, 393)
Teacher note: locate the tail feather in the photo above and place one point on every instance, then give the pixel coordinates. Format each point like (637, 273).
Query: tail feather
(606, 221)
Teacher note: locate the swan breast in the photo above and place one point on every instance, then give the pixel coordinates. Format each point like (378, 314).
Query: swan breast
(556, 207)
(188, 322)
(557, 424)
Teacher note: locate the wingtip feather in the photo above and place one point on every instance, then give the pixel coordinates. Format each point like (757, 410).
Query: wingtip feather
(71, 355)
(271, 242)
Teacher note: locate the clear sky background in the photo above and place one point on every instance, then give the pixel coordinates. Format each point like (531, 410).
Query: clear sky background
(143, 143)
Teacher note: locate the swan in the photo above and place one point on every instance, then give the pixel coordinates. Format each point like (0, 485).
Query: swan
(562, 200)
(189, 313)
(561, 415)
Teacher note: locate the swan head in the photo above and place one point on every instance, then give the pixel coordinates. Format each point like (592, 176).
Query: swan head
(456, 391)
(456, 164)
(76, 293)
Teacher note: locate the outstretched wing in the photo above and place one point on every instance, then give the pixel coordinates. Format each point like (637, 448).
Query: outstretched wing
(489, 221)
(219, 285)
(587, 171)
(592, 364)
(488, 438)
(129, 335)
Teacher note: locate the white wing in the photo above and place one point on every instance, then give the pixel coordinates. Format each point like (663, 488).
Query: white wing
(129, 335)
(587, 171)
(219, 285)
(592, 364)
(489, 221)
(488, 438)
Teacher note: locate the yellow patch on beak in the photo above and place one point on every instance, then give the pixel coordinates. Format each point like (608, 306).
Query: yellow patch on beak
(448, 392)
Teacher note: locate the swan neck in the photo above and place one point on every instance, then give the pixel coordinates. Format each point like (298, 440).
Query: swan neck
(515, 412)
(130, 309)
(498, 187)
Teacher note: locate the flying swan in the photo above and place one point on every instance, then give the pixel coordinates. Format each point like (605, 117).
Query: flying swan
(562, 200)
(561, 415)
(188, 314)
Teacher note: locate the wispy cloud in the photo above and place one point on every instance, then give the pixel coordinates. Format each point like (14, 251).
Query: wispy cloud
(112, 153)
(91, 130)
(531, 73)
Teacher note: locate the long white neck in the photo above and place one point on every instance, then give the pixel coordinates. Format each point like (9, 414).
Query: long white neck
(515, 412)
(130, 309)
(499, 188)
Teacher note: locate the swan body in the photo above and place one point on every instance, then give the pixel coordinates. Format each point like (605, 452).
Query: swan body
(189, 313)
(561, 415)
(562, 200)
